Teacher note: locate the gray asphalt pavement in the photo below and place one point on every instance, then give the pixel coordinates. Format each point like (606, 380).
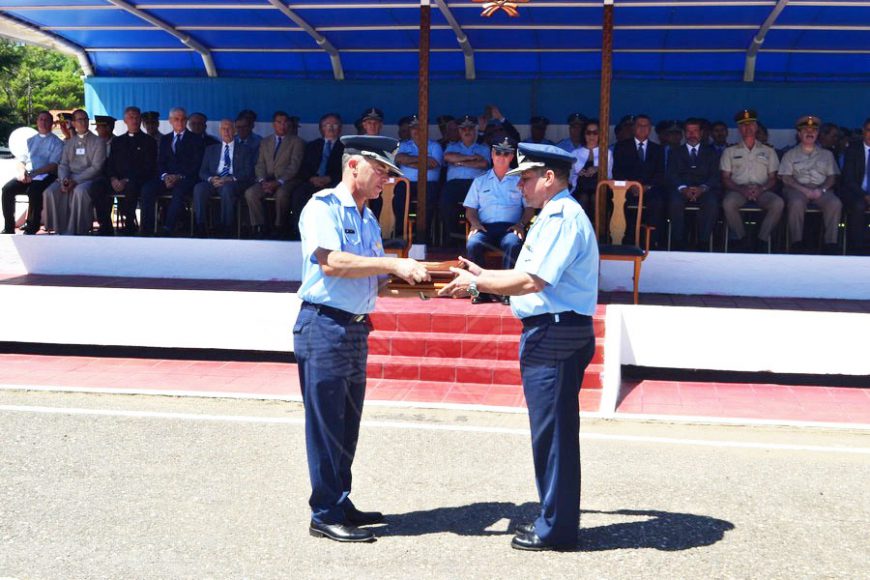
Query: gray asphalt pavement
(98, 486)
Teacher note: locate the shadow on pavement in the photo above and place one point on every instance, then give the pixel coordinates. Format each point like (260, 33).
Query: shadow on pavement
(659, 530)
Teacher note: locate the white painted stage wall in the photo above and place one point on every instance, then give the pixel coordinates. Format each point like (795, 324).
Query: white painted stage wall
(775, 275)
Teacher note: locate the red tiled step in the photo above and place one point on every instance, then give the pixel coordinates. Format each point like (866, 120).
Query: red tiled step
(460, 371)
(442, 345)
(453, 316)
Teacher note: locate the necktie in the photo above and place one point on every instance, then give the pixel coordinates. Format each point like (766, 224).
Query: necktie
(640, 153)
(694, 156)
(277, 146)
(227, 162)
(324, 159)
(175, 139)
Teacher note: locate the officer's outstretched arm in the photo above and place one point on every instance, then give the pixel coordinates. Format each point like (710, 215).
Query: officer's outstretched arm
(348, 265)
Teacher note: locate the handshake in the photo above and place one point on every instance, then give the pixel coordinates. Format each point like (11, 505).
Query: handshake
(426, 280)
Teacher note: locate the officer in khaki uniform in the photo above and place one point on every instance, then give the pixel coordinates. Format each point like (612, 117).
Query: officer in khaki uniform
(749, 174)
(808, 173)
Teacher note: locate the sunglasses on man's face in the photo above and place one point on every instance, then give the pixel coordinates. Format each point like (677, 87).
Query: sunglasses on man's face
(503, 153)
(592, 132)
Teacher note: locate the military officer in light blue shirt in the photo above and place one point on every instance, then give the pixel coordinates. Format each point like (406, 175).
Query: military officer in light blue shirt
(496, 213)
(36, 171)
(554, 290)
(574, 140)
(466, 159)
(343, 265)
(406, 159)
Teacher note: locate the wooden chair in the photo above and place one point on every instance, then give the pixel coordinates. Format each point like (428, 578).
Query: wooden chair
(397, 235)
(610, 240)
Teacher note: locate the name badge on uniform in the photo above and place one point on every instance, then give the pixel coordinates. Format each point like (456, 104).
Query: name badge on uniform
(349, 231)
(80, 150)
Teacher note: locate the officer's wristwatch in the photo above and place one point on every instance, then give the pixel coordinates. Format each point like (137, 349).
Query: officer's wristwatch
(472, 289)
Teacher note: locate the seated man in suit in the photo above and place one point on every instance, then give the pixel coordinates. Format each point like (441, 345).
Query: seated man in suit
(179, 156)
(68, 208)
(102, 197)
(496, 212)
(227, 170)
(132, 163)
(855, 191)
(466, 160)
(198, 124)
(808, 174)
(276, 174)
(36, 171)
(693, 176)
(749, 174)
(639, 159)
(321, 167)
(245, 134)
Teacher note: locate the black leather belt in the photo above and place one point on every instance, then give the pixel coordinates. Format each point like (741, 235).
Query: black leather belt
(338, 315)
(569, 317)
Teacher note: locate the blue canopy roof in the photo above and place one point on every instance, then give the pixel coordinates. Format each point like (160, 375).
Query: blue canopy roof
(352, 39)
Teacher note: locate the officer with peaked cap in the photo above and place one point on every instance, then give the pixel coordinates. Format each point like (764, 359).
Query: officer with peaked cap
(554, 290)
(343, 265)
(372, 121)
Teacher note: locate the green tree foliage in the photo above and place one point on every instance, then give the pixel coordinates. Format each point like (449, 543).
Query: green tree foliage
(32, 79)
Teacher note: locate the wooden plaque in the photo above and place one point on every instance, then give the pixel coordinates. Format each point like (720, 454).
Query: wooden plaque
(438, 271)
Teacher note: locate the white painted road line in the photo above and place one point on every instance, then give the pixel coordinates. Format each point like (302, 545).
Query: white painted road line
(426, 427)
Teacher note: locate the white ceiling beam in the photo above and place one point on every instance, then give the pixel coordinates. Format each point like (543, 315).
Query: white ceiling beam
(322, 41)
(758, 40)
(461, 38)
(23, 32)
(185, 39)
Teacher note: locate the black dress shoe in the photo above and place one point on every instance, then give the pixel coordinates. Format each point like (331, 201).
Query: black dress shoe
(526, 528)
(532, 543)
(8, 231)
(359, 518)
(340, 532)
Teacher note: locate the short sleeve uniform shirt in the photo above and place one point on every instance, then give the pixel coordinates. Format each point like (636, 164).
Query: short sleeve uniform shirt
(811, 168)
(561, 249)
(496, 201)
(331, 220)
(749, 166)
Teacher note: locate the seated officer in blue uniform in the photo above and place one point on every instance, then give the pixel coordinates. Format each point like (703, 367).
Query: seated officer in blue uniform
(497, 216)
(343, 264)
(554, 290)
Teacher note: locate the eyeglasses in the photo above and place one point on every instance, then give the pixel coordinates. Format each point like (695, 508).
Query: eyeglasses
(592, 132)
(503, 153)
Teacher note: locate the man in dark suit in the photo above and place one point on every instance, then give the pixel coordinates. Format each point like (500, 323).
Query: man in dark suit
(320, 169)
(132, 163)
(179, 157)
(693, 177)
(227, 170)
(639, 159)
(855, 191)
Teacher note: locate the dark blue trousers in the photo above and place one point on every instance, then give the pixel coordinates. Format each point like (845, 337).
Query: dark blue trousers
(496, 237)
(553, 358)
(331, 357)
